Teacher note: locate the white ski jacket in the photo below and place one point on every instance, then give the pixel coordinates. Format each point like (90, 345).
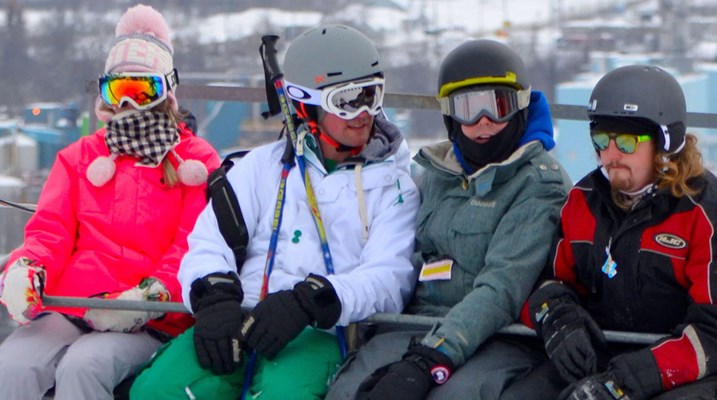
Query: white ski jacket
(373, 272)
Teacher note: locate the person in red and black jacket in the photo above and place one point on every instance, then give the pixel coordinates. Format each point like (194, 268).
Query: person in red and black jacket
(635, 252)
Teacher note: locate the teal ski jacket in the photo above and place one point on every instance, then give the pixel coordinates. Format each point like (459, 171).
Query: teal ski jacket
(495, 225)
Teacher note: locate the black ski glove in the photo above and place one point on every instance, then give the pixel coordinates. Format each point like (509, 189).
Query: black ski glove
(603, 386)
(421, 368)
(282, 315)
(216, 302)
(630, 376)
(573, 340)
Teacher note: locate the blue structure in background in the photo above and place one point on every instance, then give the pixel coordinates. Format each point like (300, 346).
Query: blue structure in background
(53, 126)
(574, 150)
(224, 120)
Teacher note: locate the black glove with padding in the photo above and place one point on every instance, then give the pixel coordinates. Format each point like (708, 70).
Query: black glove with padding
(282, 315)
(420, 369)
(216, 302)
(573, 340)
(629, 376)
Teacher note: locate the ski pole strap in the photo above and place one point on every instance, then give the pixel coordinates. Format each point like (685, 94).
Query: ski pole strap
(328, 260)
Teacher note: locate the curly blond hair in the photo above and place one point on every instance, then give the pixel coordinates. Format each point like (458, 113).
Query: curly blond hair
(675, 171)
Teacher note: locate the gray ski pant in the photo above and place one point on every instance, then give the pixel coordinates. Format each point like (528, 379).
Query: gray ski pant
(486, 375)
(52, 351)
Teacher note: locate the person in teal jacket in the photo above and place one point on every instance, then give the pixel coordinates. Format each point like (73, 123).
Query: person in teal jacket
(490, 201)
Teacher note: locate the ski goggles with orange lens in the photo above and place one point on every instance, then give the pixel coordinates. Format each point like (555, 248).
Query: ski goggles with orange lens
(625, 142)
(345, 100)
(499, 104)
(142, 90)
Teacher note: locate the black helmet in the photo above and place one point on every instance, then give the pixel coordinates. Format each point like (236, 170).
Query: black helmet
(643, 92)
(481, 62)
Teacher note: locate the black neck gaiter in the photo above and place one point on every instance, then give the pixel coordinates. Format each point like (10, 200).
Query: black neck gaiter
(497, 149)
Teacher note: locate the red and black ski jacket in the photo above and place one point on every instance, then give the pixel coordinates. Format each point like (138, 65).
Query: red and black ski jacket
(665, 277)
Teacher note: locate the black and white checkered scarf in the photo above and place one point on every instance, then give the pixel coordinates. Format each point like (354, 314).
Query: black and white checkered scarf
(147, 135)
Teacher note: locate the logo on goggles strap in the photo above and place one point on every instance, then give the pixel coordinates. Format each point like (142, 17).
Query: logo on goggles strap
(297, 93)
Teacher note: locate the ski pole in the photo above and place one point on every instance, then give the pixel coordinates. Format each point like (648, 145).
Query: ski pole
(273, 72)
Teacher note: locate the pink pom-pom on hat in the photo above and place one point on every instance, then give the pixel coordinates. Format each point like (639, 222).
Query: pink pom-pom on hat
(143, 43)
(145, 19)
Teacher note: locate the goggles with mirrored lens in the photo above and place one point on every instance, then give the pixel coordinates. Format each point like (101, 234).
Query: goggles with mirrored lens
(498, 104)
(625, 142)
(348, 100)
(141, 89)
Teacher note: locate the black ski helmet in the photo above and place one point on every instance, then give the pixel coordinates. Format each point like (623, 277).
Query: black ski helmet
(643, 92)
(481, 62)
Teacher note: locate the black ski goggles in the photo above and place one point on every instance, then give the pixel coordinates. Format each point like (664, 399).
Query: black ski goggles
(470, 105)
(625, 142)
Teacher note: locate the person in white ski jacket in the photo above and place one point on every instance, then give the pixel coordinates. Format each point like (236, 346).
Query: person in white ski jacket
(372, 274)
(357, 164)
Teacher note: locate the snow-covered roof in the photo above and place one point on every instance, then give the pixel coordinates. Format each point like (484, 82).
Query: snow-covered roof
(10, 181)
(223, 27)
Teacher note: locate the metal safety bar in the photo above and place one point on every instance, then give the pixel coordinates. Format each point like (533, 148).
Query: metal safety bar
(404, 320)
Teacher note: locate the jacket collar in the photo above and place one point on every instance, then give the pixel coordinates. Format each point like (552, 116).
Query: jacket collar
(441, 157)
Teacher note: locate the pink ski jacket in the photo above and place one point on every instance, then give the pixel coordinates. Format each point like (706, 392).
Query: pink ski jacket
(95, 240)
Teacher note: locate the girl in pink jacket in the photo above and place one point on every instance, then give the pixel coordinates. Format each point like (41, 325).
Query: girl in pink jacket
(112, 221)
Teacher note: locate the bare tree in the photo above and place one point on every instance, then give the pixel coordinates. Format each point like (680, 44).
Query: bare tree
(15, 71)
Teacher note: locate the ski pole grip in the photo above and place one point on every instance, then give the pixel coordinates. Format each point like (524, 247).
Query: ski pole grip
(269, 56)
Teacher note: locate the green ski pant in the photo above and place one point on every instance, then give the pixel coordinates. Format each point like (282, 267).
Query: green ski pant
(301, 370)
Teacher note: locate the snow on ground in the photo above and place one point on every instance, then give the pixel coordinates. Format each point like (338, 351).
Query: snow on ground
(406, 21)
(439, 16)
(222, 27)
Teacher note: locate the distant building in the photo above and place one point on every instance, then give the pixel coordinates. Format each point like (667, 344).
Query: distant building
(53, 126)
